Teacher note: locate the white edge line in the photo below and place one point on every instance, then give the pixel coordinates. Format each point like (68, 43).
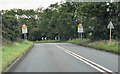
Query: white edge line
(85, 59)
(87, 63)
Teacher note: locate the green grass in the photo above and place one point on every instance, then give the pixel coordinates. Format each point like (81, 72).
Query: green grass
(0, 59)
(83, 42)
(99, 45)
(112, 47)
(48, 41)
(10, 53)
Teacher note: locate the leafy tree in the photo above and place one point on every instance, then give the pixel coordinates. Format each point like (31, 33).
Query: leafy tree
(61, 20)
(10, 27)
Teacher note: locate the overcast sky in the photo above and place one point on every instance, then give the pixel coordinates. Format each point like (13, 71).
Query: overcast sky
(26, 4)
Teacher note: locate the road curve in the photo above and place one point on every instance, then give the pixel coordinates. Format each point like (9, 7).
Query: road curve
(48, 57)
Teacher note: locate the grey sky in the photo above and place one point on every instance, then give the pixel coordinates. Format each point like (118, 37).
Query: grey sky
(26, 4)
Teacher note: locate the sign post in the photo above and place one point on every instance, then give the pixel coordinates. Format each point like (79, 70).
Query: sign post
(110, 26)
(24, 31)
(80, 29)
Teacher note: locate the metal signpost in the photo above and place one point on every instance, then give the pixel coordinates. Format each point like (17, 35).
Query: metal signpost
(80, 29)
(24, 31)
(110, 26)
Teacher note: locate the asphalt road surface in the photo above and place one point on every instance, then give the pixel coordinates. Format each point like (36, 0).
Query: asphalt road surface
(66, 57)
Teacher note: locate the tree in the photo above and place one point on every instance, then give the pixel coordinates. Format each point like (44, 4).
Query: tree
(61, 20)
(10, 27)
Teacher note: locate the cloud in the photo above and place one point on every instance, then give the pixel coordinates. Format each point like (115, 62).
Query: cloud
(25, 4)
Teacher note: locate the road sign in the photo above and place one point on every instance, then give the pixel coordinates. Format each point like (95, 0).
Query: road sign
(80, 28)
(24, 29)
(24, 26)
(110, 25)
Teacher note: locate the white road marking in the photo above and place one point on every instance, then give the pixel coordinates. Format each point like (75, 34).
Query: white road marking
(89, 62)
(86, 62)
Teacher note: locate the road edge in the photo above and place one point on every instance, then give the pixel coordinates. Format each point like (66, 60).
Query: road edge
(115, 53)
(17, 59)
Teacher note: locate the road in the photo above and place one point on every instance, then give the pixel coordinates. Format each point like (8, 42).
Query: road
(66, 57)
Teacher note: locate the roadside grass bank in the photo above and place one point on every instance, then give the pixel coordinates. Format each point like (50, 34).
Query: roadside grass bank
(48, 41)
(12, 52)
(104, 45)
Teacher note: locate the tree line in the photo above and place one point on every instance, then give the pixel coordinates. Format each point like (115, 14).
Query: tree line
(61, 20)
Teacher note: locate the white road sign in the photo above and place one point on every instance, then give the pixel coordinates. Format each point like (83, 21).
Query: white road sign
(80, 28)
(110, 25)
(24, 29)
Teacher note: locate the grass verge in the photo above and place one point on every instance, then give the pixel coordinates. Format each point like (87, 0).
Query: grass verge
(10, 53)
(99, 45)
(105, 45)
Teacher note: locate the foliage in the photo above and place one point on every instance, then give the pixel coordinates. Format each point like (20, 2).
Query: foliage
(61, 21)
(10, 27)
(99, 45)
(9, 54)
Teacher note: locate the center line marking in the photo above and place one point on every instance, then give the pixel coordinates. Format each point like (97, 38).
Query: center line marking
(89, 62)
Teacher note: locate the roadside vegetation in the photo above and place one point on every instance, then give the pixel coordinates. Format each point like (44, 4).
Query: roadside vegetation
(104, 45)
(59, 21)
(13, 51)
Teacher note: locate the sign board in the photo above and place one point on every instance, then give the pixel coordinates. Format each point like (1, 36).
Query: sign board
(80, 28)
(110, 25)
(24, 28)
